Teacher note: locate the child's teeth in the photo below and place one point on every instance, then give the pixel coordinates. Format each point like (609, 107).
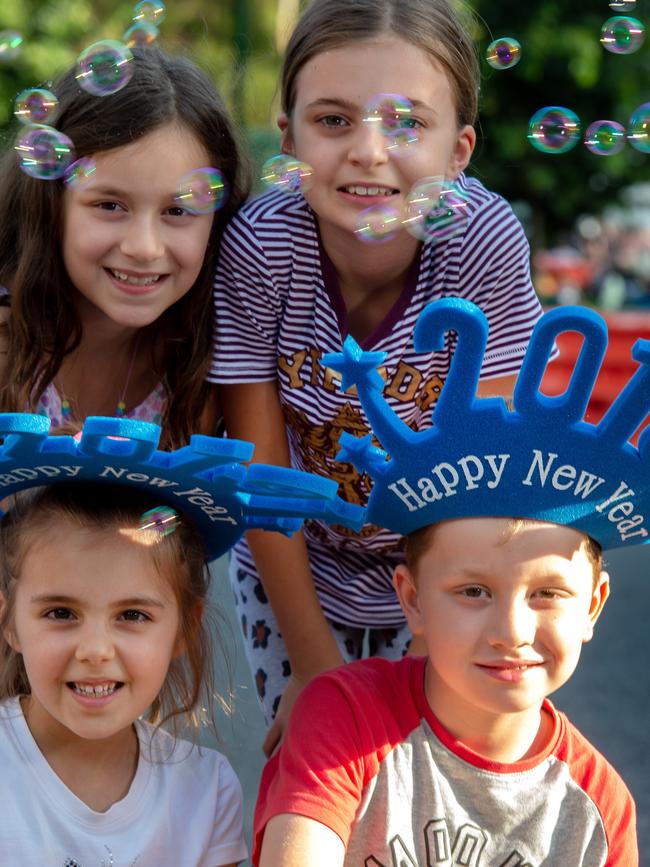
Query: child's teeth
(369, 191)
(134, 281)
(95, 690)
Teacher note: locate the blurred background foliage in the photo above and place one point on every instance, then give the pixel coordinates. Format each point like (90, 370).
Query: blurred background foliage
(240, 43)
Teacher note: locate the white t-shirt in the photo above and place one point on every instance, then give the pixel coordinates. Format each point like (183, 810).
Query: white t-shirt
(182, 810)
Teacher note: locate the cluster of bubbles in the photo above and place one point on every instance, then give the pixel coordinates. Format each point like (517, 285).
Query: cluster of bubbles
(435, 210)
(147, 15)
(622, 34)
(10, 44)
(504, 53)
(202, 191)
(556, 130)
(157, 523)
(286, 173)
(391, 115)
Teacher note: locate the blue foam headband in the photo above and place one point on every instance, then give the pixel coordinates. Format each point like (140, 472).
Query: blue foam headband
(541, 460)
(205, 480)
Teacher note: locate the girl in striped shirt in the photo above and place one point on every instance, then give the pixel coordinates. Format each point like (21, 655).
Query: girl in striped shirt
(295, 278)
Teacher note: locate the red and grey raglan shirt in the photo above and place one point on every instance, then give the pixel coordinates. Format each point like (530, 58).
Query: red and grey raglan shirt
(365, 756)
(278, 308)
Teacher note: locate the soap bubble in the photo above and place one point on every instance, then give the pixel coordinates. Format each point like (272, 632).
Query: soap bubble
(638, 129)
(387, 111)
(141, 34)
(152, 11)
(35, 105)
(10, 45)
(504, 53)
(622, 34)
(401, 142)
(79, 172)
(44, 152)
(554, 130)
(378, 223)
(161, 521)
(286, 173)
(104, 67)
(605, 137)
(622, 5)
(202, 191)
(436, 210)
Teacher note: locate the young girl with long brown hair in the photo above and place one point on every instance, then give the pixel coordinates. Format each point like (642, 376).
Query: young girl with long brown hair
(109, 281)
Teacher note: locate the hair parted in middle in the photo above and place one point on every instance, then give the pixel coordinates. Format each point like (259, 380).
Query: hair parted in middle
(435, 26)
(44, 326)
(189, 691)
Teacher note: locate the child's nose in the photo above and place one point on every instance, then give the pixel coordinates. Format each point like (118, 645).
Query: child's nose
(142, 240)
(513, 624)
(368, 147)
(95, 644)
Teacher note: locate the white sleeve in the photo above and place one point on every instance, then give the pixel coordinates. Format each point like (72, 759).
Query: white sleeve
(227, 845)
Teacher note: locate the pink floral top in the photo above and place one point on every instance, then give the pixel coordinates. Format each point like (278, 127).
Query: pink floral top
(151, 409)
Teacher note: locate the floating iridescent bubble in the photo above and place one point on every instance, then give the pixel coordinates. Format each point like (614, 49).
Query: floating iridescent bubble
(79, 172)
(286, 173)
(638, 128)
(35, 105)
(160, 521)
(388, 112)
(202, 191)
(504, 53)
(378, 223)
(623, 5)
(436, 210)
(141, 34)
(554, 130)
(11, 43)
(44, 152)
(153, 11)
(402, 142)
(605, 138)
(104, 67)
(622, 34)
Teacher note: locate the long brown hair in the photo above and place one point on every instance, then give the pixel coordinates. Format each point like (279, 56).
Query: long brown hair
(432, 25)
(188, 692)
(43, 325)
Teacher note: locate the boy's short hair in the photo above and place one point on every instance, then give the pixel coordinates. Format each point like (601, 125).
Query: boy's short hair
(418, 542)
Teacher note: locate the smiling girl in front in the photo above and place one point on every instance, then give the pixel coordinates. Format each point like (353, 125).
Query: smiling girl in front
(104, 622)
(109, 280)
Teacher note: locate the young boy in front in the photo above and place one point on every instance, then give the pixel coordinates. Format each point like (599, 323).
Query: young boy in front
(458, 757)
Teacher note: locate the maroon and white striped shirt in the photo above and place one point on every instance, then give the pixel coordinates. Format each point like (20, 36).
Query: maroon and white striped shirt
(278, 309)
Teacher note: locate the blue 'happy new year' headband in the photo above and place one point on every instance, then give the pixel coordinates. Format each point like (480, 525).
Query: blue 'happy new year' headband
(540, 460)
(205, 480)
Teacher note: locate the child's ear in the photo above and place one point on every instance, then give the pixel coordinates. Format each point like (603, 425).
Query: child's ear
(599, 596)
(462, 153)
(407, 592)
(286, 139)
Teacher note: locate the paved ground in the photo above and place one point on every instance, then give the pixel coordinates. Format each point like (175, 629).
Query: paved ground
(608, 698)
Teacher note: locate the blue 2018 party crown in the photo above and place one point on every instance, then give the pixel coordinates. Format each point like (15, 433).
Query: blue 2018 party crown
(540, 460)
(205, 480)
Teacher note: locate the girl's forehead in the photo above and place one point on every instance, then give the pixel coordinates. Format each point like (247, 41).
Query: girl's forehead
(99, 563)
(362, 69)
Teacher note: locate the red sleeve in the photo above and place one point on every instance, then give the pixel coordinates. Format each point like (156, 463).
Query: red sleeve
(598, 779)
(341, 728)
